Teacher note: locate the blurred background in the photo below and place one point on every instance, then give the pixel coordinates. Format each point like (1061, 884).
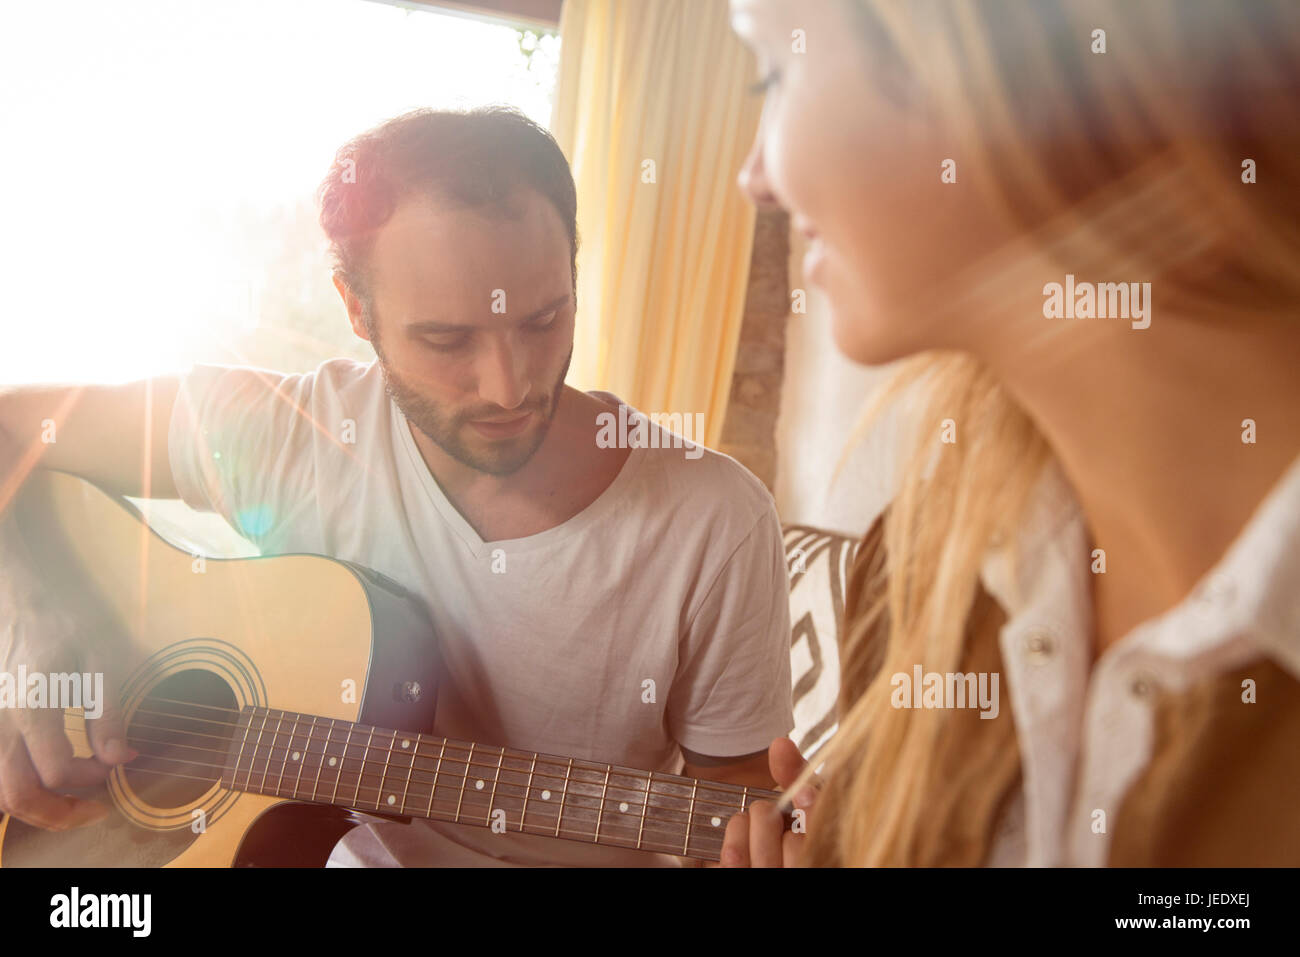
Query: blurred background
(159, 159)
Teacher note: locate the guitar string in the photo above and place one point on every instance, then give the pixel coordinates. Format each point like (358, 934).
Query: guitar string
(392, 736)
(547, 830)
(418, 776)
(655, 824)
(655, 821)
(594, 766)
(717, 788)
(418, 773)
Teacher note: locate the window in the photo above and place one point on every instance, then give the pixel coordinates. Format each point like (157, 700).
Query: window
(160, 159)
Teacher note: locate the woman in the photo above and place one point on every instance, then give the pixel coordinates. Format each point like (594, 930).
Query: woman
(1078, 220)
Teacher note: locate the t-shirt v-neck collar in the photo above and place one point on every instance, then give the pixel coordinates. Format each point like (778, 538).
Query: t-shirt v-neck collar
(452, 516)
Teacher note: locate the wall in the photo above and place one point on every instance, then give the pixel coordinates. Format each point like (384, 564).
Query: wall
(749, 432)
(822, 396)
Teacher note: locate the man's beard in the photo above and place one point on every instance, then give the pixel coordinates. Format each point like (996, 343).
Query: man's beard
(502, 457)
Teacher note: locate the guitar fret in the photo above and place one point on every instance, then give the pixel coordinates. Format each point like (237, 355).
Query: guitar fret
(528, 790)
(436, 771)
(468, 761)
(342, 764)
(383, 775)
(423, 774)
(409, 771)
(665, 808)
(295, 750)
(410, 774)
(270, 758)
(644, 805)
(234, 778)
(626, 795)
(265, 766)
(600, 811)
(518, 772)
(542, 775)
(305, 751)
(320, 766)
(300, 750)
(563, 796)
(420, 740)
(269, 751)
(252, 756)
(284, 763)
(690, 817)
(621, 806)
(493, 796)
(266, 714)
(365, 759)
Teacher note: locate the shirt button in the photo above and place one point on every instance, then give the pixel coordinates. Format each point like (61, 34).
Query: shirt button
(1141, 685)
(1039, 645)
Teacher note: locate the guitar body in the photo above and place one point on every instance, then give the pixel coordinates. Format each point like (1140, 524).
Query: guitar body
(301, 633)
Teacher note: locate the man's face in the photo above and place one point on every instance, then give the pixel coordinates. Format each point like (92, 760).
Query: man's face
(473, 324)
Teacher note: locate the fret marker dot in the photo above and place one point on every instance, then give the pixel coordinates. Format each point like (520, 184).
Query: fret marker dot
(333, 761)
(622, 806)
(716, 821)
(295, 755)
(546, 795)
(479, 784)
(392, 799)
(406, 744)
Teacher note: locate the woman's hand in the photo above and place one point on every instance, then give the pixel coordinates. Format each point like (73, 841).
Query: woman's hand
(757, 837)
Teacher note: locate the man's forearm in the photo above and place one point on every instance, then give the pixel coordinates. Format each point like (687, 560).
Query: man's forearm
(112, 435)
(18, 578)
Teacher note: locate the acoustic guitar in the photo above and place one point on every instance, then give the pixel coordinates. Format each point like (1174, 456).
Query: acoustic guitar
(263, 696)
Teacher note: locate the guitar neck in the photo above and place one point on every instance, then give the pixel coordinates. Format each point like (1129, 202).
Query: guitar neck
(324, 761)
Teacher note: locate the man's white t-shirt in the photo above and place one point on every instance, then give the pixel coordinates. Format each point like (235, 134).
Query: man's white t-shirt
(675, 574)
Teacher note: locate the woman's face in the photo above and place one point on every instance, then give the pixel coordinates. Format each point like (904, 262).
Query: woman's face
(849, 146)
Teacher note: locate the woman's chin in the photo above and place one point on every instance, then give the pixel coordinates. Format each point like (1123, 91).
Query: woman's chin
(868, 339)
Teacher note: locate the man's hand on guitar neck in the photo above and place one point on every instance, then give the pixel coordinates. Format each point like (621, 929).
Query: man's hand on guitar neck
(758, 837)
(751, 770)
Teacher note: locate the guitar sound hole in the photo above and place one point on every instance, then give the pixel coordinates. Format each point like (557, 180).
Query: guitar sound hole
(181, 730)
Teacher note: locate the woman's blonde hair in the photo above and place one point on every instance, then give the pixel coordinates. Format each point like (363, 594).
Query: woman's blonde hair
(1137, 156)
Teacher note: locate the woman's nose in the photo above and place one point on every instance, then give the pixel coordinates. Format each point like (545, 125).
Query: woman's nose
(753, 175)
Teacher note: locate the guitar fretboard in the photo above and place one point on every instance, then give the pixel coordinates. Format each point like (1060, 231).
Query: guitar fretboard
(323, 761)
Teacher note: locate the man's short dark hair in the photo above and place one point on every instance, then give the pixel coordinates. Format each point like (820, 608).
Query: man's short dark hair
(477, 158)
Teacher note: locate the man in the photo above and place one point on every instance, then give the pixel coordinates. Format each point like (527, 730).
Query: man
(623, 605)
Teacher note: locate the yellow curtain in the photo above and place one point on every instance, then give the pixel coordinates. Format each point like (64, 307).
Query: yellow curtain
(652, 111)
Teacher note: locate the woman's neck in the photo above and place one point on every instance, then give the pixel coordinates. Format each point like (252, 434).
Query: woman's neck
(1148, 427)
